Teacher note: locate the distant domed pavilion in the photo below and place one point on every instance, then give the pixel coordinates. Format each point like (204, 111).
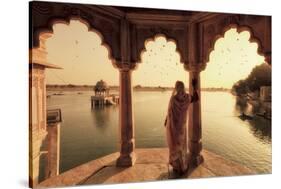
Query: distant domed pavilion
(101, 88)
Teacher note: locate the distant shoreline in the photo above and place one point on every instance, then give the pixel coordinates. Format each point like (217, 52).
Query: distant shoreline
(116, 88)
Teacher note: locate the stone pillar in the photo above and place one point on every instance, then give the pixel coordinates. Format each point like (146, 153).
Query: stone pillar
(37, 106)
(194, 121)
(37, 120)
(126, 121)
(53, 141)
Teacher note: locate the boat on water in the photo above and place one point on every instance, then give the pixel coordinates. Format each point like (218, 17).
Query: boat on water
(58, 94)
(265, 115)
(244, 117)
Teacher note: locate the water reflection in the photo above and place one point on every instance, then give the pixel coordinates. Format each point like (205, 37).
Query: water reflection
(87, 133)
(241, 104)
(245, 141)
(259, 126)
(101, 117)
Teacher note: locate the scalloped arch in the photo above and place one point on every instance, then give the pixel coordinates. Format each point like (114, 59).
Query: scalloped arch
(239, 29)
(153, 39)
(49, 30)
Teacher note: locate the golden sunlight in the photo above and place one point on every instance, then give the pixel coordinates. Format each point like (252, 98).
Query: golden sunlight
(80, 53)
(85, 61)
(232, 59)
(160, 65)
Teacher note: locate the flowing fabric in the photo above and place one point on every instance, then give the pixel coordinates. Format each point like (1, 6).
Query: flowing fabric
(176, 131)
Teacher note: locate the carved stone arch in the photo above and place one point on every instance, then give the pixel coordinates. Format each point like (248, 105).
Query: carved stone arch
(259, 28)
(44, 15)
(90, 29)
(140, 36)
(239, 29)
(152, 39)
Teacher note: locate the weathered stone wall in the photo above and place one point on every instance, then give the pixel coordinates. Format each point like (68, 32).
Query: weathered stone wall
(37, 119)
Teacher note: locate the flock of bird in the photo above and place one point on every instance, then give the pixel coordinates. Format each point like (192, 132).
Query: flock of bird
(170, 63)
(226, 52)
(165, 62)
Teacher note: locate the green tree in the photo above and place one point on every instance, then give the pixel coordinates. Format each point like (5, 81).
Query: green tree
(240, 87)
(259, 76)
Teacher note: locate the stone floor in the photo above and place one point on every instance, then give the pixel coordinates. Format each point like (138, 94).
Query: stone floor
(151, 164)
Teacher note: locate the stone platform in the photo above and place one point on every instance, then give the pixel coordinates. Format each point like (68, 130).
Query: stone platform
(151, 164)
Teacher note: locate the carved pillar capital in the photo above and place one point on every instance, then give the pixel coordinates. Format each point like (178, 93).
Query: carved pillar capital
(126, 66)
(193, 67)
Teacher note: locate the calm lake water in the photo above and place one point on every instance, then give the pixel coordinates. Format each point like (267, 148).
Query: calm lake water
(89, 134)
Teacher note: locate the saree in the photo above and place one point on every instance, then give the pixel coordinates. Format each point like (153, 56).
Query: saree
(176, 131)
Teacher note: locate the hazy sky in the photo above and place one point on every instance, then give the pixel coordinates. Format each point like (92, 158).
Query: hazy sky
(85, 61)
(160, 65)
(232, 59)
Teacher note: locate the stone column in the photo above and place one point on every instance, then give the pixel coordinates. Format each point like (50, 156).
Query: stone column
(53, 141)
(126, 121)
(37, 120)
(194, 122)
(37, 106)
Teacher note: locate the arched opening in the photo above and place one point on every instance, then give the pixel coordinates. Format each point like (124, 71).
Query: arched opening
(153, 82)
(86, 133)
(159, 59)
(233, 56)
(233, 121)
(77, 48)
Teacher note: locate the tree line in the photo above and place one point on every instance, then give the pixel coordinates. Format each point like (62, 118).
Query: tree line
(259, 76)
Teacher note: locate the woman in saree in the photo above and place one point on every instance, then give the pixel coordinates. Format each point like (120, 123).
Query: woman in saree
(176, 126)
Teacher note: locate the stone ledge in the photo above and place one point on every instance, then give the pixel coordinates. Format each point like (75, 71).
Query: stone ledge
(151, 164)
(78, 174)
